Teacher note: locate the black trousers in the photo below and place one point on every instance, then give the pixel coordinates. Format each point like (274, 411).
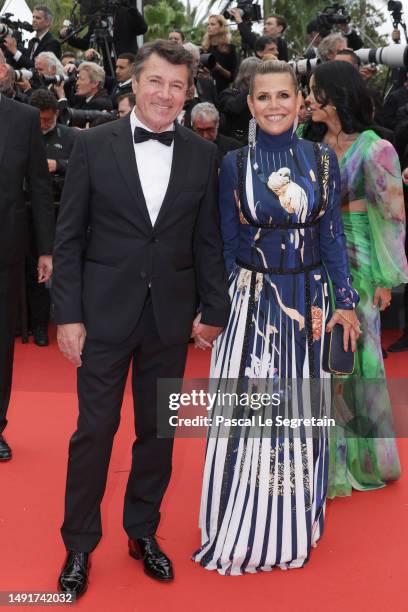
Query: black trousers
(101, 384)
(38, 296)
(11, 278)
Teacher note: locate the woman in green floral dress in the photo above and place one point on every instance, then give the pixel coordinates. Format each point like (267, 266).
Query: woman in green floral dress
(374, 224)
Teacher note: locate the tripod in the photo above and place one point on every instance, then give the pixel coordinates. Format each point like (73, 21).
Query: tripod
(102, 41)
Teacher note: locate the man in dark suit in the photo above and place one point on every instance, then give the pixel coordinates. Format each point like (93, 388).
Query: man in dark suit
(126, 24)
(22, 163)
(138, 247)
(205, 120)
(43, 41)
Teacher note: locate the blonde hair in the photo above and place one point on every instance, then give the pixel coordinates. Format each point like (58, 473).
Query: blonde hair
(222, 39)
(273, 67)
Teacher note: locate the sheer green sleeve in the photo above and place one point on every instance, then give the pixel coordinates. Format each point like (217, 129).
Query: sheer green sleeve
(386, 214)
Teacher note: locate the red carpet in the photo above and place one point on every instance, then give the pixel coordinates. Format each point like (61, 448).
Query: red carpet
(360, 562)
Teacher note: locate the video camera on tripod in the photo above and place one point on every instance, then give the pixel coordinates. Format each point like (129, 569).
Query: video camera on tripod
(13, 27)
(332, 15)
(249, 10)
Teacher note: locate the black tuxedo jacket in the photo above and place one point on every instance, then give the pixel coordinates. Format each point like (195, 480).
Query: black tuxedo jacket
(23, 164)
(107, 252)
(47, 43)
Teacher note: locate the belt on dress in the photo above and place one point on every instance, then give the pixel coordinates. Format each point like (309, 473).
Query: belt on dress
(298, 270)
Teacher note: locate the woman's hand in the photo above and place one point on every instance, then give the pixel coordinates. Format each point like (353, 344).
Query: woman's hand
(382, 298)
(351, 327)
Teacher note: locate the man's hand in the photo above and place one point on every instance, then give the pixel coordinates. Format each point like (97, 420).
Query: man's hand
(11, 44)
(44, 268)
(59, 91)
(236, 13)
(52, 165)
(204, 335)
(23, 84)
(405, 176)
(71, 338)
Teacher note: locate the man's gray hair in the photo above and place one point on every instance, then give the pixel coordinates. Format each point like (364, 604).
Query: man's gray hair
(328, 46)
(52, 61)
(46, 10)
(204, 110)
(7, 82)
(96, 73)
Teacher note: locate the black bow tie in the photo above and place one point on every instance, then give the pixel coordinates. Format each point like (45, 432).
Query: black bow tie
(142, 135)
(35, 40)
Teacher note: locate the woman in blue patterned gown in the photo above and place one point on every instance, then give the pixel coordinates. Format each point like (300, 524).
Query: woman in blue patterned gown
(263, 496)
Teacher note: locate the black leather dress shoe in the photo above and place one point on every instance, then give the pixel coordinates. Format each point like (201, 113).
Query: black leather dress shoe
(40, 335)
(399, 345)
(156, 564)
(74, 575)
(5, 450)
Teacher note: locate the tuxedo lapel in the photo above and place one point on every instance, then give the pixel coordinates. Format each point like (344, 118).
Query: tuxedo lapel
(5, 119)
(42, 43)
(122, 145)
(179, 171)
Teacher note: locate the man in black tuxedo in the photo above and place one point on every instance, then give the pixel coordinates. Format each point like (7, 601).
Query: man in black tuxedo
(22, 163)
(138, 247)
(43, 41)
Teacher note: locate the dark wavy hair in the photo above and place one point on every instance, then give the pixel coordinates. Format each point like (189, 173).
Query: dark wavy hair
(340, 84)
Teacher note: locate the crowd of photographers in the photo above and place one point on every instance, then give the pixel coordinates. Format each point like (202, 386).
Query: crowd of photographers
(80, 90)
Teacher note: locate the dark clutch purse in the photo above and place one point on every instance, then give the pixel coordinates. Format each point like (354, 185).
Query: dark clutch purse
(335, 359)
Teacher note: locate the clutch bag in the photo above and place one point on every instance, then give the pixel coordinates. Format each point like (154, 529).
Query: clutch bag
(335, 359)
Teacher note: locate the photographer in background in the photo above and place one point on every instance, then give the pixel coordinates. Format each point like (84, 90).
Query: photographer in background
(43, 41)
(318, 29)
(217, 41)
(23, 165)
(46, 65)
(58, 141)
(123, 71)
(234, 104)
(90, 93)
(124, 26)
(266, 45)
(274, 25)
(126, 103)
(205, 121)
(330, 46)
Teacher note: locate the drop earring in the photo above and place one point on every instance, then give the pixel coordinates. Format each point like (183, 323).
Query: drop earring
(252, 133)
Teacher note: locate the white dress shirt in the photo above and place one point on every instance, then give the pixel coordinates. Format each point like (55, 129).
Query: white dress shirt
(153, 160)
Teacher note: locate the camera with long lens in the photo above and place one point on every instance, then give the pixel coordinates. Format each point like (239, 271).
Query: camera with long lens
(249, 10)
(13, 27)
(208, 61)
(303, 67)
(393, 56)
(59, 79)
(332, 15)
(23, 75)
(79, 117)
